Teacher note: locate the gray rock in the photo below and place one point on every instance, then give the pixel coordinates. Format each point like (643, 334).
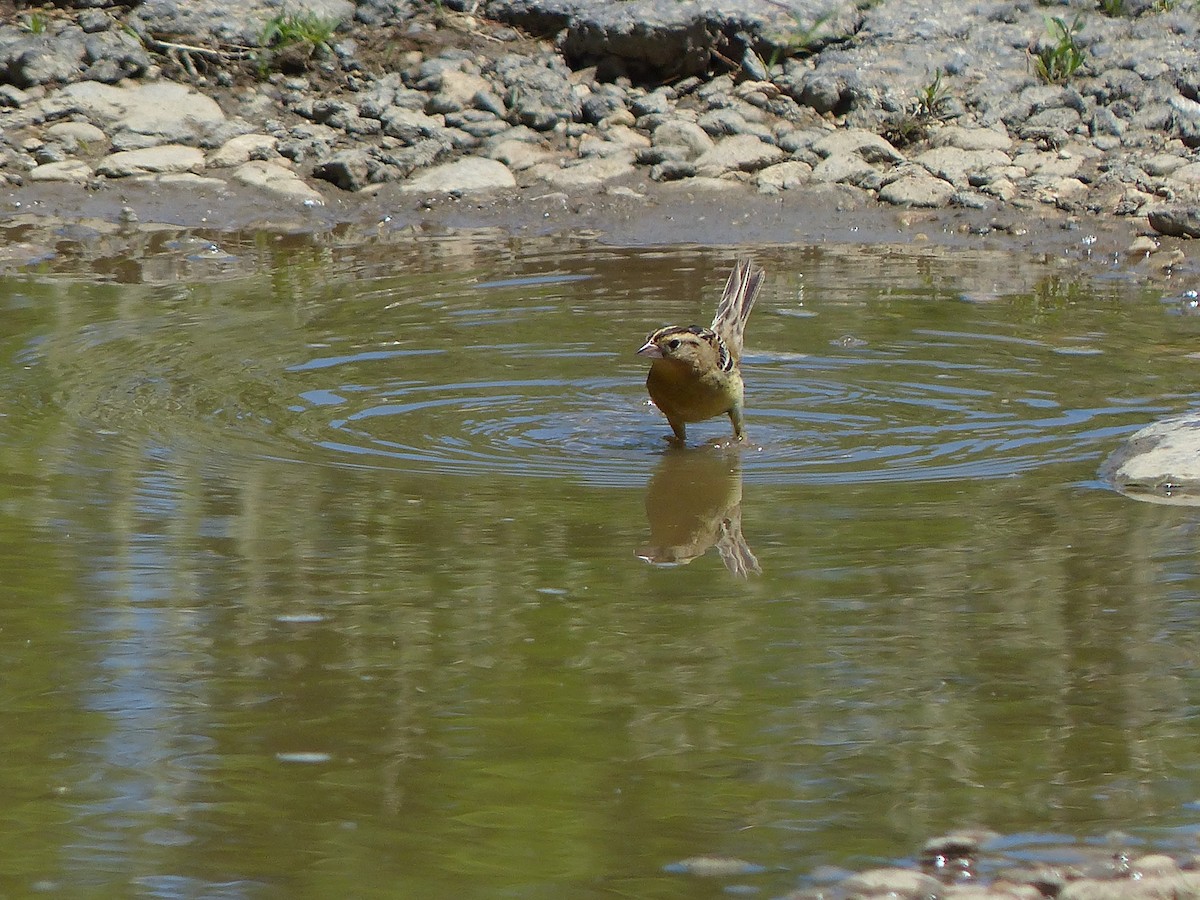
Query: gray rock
(520, 155)
(783, 176)
(1163, 164)
(955, 165)
(1186, 119)
(92, 21)
(586, 173)
(866, 144)
(1176, 221)
(389, 92)
(462, 176)
(916, 187)
(351, 170)
(411, 126)
(672, 170)
(971, 138)
(278, 180)
(662, 39)
(892, 883)
(140, 115)
(73, 170)
(679, 133)
(113, 55)
(43, 58)
(844, 168)
(420, 155)
(151, 160)
(76, 136)
(595, 108)
(1105, 122)
(13, 96)
(655, 102)
(242, 149)
(739, 152)
(824, 93)
(730, 121)
(540, 97)
(455, 90)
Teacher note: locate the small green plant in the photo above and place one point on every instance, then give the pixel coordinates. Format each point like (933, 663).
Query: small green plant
(1114, 9)
(1057, 62)
(927, 106)
(36, 23)
(290, 40)
(306, 29)
(932, 98)
(798, 40)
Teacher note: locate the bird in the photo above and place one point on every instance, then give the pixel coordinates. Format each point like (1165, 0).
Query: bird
(696, 373)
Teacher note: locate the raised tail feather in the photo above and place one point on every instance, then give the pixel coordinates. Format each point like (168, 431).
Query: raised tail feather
(741, 290)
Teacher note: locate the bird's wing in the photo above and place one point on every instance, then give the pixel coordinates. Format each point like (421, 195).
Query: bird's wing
(741, 290)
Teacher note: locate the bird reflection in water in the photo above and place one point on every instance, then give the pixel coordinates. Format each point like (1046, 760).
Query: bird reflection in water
(694, 502)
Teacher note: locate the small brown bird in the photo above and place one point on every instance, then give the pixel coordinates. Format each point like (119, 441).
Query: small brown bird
(695, 373)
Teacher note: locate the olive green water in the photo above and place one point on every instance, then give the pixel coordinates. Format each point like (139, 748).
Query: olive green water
(323, 569)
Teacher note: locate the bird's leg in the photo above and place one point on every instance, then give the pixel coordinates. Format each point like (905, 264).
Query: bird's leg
(735, 417)
(680, 429)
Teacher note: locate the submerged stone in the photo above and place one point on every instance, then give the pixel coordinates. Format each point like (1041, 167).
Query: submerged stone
(1160, 463)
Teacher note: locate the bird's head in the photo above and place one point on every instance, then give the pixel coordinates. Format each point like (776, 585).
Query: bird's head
(694, 346)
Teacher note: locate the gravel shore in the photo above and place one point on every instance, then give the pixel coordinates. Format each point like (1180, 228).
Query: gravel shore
(1016, 113)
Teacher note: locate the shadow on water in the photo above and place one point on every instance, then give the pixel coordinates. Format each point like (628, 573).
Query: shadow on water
(323, 577)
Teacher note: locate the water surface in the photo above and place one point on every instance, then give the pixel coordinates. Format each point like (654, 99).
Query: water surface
(325, 568)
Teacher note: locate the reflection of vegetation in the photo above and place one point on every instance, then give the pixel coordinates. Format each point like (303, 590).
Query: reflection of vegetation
(483, 658)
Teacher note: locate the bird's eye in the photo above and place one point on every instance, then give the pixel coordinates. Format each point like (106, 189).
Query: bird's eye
(673, 343)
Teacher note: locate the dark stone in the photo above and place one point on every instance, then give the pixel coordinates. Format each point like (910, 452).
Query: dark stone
(598, 107)
(43, 59)
(351, 170)
(1176, 222)
(672, 170)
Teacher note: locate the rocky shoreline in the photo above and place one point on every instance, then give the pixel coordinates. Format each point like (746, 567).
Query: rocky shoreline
(972, 107)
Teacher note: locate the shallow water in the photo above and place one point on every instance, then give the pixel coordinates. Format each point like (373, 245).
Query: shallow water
(325, 568)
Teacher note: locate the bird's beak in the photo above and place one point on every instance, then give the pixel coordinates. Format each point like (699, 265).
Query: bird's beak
(651, 350)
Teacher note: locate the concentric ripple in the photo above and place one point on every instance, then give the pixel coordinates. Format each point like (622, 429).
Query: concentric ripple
(864, 417)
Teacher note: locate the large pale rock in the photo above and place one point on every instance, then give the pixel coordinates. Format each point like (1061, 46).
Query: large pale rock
(784, 176)
(463, 175)
(971, 138)
(954, 164)
(242, 149)
(866, 144)
(158, 112)
(457, 90)
(1161, 462)
(738, 153)
(74, 170)
(678, 133)
(916, 187)
(844, 168)
(278, 180)
(151, 161)
(590, 172)
(76, 135)
(520, 155)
